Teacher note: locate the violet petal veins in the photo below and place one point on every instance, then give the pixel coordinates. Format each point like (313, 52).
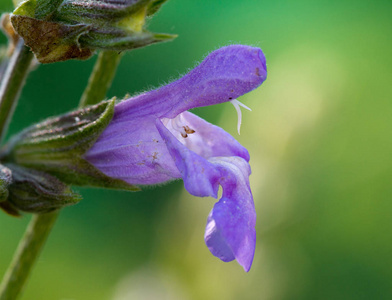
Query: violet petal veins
(152, 138)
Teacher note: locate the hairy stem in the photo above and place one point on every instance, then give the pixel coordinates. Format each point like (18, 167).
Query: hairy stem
(101, 78)
(12, 83)
(26, 255)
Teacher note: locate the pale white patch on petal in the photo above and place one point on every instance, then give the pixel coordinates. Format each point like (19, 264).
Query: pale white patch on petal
(178, 125)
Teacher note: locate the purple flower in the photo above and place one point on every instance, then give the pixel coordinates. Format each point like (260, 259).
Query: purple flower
(152, 138)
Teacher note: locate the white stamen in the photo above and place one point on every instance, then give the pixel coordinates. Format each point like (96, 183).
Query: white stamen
(237, 105)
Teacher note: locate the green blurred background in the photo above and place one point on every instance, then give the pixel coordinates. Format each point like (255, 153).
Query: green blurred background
(320, 143)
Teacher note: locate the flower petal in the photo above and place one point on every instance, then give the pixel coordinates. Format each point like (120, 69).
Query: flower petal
(230, 232)
(133, 151)
(200, 177)
(208, 140)
(225, 74)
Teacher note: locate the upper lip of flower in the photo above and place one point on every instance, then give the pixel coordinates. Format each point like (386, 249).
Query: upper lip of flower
(152, 139)
(224, 75)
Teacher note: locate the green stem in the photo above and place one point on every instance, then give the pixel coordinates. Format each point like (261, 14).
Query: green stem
(12, 83)
(26, 255)
(40, 225)
(101, 78)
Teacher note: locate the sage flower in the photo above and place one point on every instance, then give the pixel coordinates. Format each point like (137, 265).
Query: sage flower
(153, 138)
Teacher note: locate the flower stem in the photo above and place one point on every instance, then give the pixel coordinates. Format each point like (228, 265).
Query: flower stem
(41, 224)
(26, 255)
(12, 83)
(101, 78)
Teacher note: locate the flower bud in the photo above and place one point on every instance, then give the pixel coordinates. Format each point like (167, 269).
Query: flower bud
(38, 192)
(58, 30)
(5, 181)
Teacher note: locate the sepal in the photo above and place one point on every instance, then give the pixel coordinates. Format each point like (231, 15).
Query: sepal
(118, 40)
(155, 6)
(57, 146)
